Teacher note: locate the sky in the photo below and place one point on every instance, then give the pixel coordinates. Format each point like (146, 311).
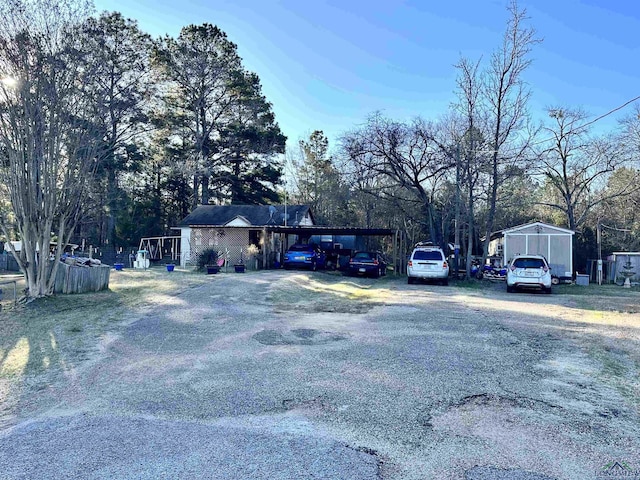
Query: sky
(328, 64)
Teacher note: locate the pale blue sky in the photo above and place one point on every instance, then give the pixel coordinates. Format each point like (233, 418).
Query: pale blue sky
(327, 64)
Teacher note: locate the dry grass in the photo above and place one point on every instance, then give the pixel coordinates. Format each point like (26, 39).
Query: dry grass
(57, 333)
(329, 293)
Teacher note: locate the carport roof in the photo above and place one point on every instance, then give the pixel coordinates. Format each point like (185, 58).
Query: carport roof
(316, 230)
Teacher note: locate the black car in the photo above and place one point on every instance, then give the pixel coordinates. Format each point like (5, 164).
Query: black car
(370, 264)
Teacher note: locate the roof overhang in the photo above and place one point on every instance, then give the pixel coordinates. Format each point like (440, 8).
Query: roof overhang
(316, 230)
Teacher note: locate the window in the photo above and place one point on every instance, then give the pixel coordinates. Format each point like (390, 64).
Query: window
(427, 255)
(301, 248)
(528, 263)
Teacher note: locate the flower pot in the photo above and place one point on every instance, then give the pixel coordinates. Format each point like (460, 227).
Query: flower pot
(118, 266)
(170, 267)
(212, 269)
(239, 268)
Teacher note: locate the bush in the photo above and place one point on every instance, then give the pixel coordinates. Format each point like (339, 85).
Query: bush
(208, 257)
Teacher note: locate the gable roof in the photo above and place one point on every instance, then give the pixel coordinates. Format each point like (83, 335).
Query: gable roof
(255, 215)
(537, 224)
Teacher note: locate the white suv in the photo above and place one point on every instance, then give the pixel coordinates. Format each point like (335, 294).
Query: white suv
(529, 271)
(427, 262)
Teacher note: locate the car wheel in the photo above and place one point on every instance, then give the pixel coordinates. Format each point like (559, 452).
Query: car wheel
(547, 290)
(555, 281)
(509, 289)
(445, 282)
(411, 280)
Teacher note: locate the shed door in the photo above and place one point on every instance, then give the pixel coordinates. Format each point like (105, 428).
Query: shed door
(515, 245)
(538, 245)
(560, 257)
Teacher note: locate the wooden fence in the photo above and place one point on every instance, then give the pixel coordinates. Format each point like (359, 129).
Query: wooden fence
(73, 279)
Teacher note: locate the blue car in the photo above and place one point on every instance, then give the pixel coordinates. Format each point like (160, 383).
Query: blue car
(304, 256)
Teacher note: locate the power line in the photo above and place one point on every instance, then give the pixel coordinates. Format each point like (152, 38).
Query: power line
(591, 122)
(609, 113)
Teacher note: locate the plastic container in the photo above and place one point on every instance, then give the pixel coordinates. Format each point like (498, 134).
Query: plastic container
(582, 279)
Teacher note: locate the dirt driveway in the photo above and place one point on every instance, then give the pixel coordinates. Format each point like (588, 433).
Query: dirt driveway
(281, 375)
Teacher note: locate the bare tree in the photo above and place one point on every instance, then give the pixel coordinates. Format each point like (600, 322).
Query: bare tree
(411, 157)
(577, 166)
(48, 139)
(506, 97)
(471, 148)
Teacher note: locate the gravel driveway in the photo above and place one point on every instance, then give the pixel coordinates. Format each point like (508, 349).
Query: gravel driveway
(286, 375)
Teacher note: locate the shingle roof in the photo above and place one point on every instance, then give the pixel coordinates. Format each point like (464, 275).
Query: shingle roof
(256, 215)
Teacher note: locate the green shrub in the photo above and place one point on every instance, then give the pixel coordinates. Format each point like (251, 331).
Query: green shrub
(208, 257)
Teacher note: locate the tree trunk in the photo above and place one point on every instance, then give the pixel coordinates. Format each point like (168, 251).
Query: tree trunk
(112, 207)
(205, 189)
(470, 236)
(196, 196)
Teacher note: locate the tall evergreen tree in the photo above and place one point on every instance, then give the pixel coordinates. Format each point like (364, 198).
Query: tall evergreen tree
(232, 135)
(121, 91)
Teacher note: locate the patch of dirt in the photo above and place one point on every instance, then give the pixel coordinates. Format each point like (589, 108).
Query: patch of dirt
(317, 403)
(495, 473)
(487, 399)
(299, 336)
(374, 453)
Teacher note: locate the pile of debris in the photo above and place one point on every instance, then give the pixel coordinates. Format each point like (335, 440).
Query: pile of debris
(81, 261)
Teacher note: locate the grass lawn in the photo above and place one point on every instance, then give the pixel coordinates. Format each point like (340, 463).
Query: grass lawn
(52, 335)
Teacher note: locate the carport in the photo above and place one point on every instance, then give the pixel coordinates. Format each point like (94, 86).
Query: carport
(303, 233)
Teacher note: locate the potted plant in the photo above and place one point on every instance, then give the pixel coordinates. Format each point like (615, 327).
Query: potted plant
(209, 261)
(170, 267)
(240, 267)
(252, 253)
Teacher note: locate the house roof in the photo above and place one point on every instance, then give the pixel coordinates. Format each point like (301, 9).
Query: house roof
(254, 215)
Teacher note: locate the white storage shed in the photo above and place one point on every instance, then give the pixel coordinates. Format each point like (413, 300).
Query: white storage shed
(555, 243)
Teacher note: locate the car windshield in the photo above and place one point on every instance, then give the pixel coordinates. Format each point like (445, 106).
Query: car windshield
(427, 255)
(363, 256)
(528, 263)
(301, 248)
